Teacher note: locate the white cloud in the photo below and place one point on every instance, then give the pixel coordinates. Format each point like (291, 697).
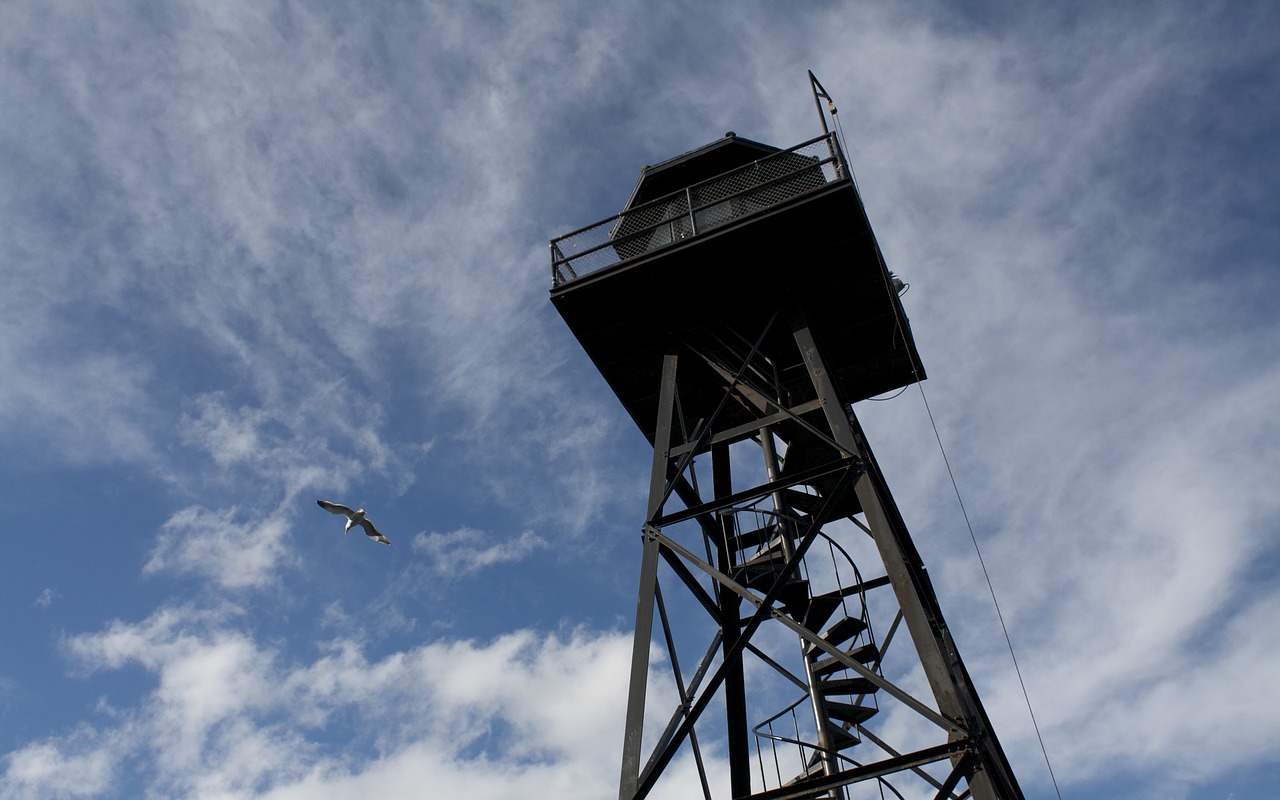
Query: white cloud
(300, 246)
(90, 408)
(81, 765)
(467, 551)
(222, 546)
(229, 435)
(229, 717)
(322, 442)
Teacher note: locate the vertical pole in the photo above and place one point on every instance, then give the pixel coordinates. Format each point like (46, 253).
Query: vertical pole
(634, 733)
(662, 438)
(992, 777)
(633, 738)
(735, 690)
(818, 91)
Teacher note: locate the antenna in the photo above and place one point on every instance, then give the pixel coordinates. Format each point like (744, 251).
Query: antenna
(820, 93)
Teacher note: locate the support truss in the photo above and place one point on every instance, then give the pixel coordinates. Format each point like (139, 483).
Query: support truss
(790, 579)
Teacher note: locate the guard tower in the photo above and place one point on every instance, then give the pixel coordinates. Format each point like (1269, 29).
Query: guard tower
(739, 307)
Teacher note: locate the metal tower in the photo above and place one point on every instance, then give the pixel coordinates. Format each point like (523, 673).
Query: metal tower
(739, 307)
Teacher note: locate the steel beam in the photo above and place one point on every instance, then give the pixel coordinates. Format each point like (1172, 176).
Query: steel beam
(990, 777)
(633, 735)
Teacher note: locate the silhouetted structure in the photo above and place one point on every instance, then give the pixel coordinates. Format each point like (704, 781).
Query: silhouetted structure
(740, 303)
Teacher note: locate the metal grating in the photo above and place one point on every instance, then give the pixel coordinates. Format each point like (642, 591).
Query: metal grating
(739, 193)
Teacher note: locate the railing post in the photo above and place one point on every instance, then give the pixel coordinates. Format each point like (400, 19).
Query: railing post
(688, 201)
(833, 147)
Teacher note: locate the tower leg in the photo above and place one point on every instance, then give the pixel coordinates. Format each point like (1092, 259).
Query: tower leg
(989, 776)
(634, 733)
(735, 691)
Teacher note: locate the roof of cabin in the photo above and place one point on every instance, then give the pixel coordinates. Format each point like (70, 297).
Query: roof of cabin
(728, 152)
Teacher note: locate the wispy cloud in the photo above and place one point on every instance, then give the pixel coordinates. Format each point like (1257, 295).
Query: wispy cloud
(225, 547)
(230, 715)
(467, 551)
(77, 766)
(254, 252)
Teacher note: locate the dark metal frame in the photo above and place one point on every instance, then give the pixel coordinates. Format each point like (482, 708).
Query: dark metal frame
(849, 477)
(755, 306)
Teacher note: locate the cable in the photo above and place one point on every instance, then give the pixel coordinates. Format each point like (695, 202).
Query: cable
(991, 588)
(893, 396)
(947, 462)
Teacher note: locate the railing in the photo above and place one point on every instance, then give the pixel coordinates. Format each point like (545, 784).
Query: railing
(742, 192)
(803, 737)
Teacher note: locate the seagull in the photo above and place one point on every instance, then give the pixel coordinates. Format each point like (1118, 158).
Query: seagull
(354, 518)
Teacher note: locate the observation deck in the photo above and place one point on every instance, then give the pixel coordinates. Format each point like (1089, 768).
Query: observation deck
(720, 245)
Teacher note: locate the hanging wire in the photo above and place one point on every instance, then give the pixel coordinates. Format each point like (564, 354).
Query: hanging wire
(893, 396)
(950, 474)
(991, 588)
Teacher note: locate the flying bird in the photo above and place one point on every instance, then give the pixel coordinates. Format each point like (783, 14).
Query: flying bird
(354, 518)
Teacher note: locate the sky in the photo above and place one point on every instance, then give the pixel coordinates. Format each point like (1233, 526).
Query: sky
(254, 254)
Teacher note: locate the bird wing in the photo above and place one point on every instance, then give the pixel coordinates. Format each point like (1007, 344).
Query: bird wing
(335, 508)
(372, 532)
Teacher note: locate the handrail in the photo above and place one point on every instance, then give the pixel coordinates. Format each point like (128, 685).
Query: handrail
(764, 182)
(763, 730)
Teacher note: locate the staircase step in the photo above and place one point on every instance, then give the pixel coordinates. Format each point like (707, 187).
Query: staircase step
(755, 538)
(760, 574)
(815, 794)
(793, 596)
(841, 739)
(846, 505)
(844, 630)
(865, 655)
(847, 686)
(804, 450)
(803, 502)
(850, 713)
(773, 554)
(820, 610)
(812, 768)
(756, 568)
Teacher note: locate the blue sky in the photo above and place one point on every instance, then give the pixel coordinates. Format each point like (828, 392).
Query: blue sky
(255, 254)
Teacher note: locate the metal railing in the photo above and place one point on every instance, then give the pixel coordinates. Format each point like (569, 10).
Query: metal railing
(742, 192)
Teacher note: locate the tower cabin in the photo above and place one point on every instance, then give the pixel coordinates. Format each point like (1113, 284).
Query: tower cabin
(718, 251)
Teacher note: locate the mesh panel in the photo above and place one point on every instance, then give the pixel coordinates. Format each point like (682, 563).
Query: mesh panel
(742, 192)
